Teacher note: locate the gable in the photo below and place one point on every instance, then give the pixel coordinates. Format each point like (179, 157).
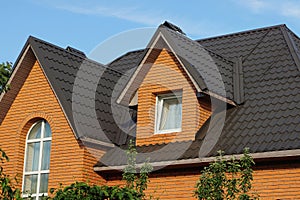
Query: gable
(36, 100)
(17, 79)
(164, 76)
(84, 96)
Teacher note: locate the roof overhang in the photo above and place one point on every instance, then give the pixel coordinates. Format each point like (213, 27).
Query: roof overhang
(16, 67)
(96, 143)
(263, 156)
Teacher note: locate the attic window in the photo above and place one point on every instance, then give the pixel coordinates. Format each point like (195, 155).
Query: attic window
(168, 113)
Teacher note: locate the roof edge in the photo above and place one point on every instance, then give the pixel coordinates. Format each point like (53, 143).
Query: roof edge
(24, 53)
(193, 161)
(16, 66)
(291, 45)
(93, 142)
(56, 46)
(242, 32)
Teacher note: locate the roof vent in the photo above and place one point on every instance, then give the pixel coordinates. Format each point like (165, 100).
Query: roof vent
(173, 27)
(75, 51)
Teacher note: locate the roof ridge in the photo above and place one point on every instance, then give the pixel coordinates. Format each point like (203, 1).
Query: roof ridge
(84, 58)
(207, 49)
(33, 38)
(193, 64)
(291, 45)
(242, 32)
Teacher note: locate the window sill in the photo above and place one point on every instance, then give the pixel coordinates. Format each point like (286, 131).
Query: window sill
(168, 131)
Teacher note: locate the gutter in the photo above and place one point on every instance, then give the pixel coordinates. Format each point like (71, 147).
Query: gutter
(92, 142)
(203, 161)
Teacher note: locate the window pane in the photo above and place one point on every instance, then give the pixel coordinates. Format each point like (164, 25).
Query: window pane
(44, 183)
(35, 132)
(170, 114)
(47, 130)
(30, 184)
(46, 155)
(33, 153)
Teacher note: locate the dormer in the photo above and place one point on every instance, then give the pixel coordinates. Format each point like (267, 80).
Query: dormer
(174, 85)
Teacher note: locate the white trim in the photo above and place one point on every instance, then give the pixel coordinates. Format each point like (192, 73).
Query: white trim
(219, 97)
(38, 140)
(35, 172)
(174, 130)
(158, 112)
(15, 70)
(263, 155)
(38, 172)
(134, 100)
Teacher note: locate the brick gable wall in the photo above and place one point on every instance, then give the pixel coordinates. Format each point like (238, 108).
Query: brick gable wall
(69, 161)
(165, 75)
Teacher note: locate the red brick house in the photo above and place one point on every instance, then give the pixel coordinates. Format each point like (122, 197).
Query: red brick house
(69, 118)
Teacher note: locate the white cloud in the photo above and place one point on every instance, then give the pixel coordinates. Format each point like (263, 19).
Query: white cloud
(286, 8)
(291, 10)
(146, 17)
(254, 5)
(130, 14)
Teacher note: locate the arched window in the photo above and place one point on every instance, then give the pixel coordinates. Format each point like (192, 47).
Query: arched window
(37, 160)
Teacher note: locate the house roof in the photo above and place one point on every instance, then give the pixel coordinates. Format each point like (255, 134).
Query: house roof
(84, 88)
(269, 118)
(267, 121)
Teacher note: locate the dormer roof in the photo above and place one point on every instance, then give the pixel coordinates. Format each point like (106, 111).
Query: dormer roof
(209, 72)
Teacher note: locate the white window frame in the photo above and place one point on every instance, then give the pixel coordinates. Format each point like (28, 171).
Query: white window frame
(158, 110)
(39, 172)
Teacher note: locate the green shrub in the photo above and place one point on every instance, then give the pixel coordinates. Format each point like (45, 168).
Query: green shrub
(226, 179)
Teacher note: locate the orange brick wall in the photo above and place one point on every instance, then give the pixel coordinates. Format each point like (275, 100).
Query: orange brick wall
(168, 185)
(69, 160)
(91, 157)
(166, 75)
(278, 181)
(271, 181)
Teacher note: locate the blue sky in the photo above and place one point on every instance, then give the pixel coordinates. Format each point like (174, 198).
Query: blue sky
(85, 24)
